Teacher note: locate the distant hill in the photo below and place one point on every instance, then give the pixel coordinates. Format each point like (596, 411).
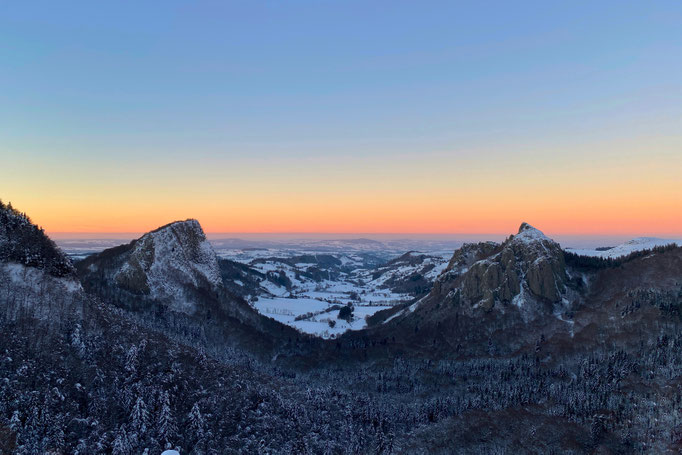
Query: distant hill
(624, 249)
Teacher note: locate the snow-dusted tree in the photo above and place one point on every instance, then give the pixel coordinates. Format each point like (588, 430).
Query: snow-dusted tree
(166, 427)
(196, 427)
(15, 422)
(131, 360)
(196, 422)
(121, 445)
(77, 341)
(140, 418)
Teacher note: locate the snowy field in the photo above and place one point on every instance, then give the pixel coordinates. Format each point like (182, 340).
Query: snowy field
(638, 244)
(314, 316)
(309, 305)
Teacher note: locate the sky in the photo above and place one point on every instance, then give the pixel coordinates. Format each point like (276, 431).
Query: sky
(344, 116)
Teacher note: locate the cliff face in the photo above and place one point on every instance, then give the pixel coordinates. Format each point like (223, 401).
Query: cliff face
(165, 261)
(171, 276)
(164, 265)
(527, 267)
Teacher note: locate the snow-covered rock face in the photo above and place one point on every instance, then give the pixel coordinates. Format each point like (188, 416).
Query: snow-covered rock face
(527, 267)
(528, 234)
(469, 254)
(164, 262)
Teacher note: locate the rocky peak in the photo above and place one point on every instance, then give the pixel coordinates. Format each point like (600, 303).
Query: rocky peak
(529, 233)
(528, 268)
(163, 262)
(530, 236)
(470, 253)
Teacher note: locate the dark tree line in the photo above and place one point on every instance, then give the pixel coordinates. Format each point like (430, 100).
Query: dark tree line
(593, 262)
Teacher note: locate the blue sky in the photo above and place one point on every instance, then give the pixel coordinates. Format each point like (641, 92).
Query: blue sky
(92, 85)
(296, 75)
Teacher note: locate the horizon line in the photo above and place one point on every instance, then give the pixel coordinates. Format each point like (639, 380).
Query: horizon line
(317, 233)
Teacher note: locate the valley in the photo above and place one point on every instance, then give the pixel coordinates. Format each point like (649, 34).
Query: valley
(172, 341)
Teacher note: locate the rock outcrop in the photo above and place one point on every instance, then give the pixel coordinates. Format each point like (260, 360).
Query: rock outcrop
(167, 259)
(527, 266)
(164, 265)
(171, 279)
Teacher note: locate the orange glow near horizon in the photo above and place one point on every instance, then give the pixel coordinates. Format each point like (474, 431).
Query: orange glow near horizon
(628, 192)
(267, 117)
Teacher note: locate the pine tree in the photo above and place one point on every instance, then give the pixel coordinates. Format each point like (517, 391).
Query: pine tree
(140, 418)
(122, 444)
(15, 422)
(166, 423)
(77, 341)
(131, 360)
(196, 423)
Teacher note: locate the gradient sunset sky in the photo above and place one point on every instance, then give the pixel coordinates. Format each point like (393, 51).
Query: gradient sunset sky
(344, 116)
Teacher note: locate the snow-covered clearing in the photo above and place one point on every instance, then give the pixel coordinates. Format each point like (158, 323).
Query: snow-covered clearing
(314, 315)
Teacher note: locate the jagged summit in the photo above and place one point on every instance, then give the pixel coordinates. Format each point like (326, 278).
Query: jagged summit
(525, 227)
(169, 258)
(191, 223)
(163, 264)
(528, 233)
(528, 268)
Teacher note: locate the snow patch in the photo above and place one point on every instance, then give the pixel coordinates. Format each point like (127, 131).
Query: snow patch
(624, 249)
(528, 234)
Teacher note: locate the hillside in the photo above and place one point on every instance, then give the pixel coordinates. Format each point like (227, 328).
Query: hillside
(80, 376)
(24, 243)
(171, 279)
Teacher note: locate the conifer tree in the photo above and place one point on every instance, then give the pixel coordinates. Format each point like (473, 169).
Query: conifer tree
(166, 424)
(140, 418)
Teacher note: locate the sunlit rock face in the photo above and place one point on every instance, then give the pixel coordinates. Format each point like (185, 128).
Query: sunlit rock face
(526, 267)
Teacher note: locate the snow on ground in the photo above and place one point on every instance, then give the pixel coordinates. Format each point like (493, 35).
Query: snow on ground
(437, 270)
(313, 306)
(638, 244)
(287, 310)
(404, 269)
(293, 286)
(349, 282)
